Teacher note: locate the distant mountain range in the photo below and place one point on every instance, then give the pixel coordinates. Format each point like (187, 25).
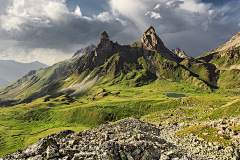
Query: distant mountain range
(11, 70)
(37, 76)
(138, 64)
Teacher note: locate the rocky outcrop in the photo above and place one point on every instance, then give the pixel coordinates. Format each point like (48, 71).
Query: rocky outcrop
(129, 139)
(151, 41)
(180, 53)
(95, 58)
(224, 126)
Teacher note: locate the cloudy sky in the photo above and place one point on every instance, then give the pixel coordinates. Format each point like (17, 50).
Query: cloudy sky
(53, 30)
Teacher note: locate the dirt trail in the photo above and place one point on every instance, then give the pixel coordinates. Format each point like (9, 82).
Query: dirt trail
(230, 103)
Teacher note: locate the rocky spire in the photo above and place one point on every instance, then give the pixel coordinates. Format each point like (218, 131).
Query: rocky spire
(151, 41)
(180, 53)
(104, 37)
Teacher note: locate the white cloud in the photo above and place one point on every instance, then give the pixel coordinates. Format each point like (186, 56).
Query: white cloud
(41, 26)
(195, 6)
(38, 13)
(153, 15)
(157, 6)
(77, 11)
(131, 11)
(105, 16)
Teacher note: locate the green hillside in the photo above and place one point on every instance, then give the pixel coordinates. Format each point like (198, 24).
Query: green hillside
(32, 83)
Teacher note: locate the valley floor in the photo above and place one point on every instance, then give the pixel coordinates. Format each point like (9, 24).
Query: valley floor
(24, 124)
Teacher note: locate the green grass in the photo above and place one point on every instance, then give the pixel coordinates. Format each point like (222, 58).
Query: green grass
(231, 109)
(127, 86)
(207, 133)
(26, 123)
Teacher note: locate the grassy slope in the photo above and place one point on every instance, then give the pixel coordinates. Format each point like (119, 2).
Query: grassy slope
(24, 124)
(28, 86)
(128, 87)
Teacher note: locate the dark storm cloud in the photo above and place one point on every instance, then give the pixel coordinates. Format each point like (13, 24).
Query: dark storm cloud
(53, 29)
(76, 31)
(62, 26)
(193, 26)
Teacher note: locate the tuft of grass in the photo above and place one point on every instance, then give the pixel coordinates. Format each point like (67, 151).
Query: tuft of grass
(207, 133)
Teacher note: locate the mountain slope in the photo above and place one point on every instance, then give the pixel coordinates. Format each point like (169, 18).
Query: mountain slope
(136, 65)
(226, 60)
(11, 70)
(31, 83)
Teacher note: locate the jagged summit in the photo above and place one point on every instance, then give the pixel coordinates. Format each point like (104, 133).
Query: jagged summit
(104, 37)
(151, 40)
(180, 53)
(151, 29)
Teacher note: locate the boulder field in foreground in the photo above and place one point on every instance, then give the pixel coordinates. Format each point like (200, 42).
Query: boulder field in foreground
(129, 139)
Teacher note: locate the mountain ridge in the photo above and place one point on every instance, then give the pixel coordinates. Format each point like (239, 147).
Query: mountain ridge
(83, 51)
(11, 70)
(147, 60)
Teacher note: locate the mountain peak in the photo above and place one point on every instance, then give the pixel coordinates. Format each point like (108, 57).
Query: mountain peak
(180, 53)
(150, 30)
(104, 36)
(151, 41)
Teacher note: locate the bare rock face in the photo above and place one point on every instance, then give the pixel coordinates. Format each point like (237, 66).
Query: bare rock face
(98, 56)
(151, 41)
(103, 48)
(104, 37)
(180, 53)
